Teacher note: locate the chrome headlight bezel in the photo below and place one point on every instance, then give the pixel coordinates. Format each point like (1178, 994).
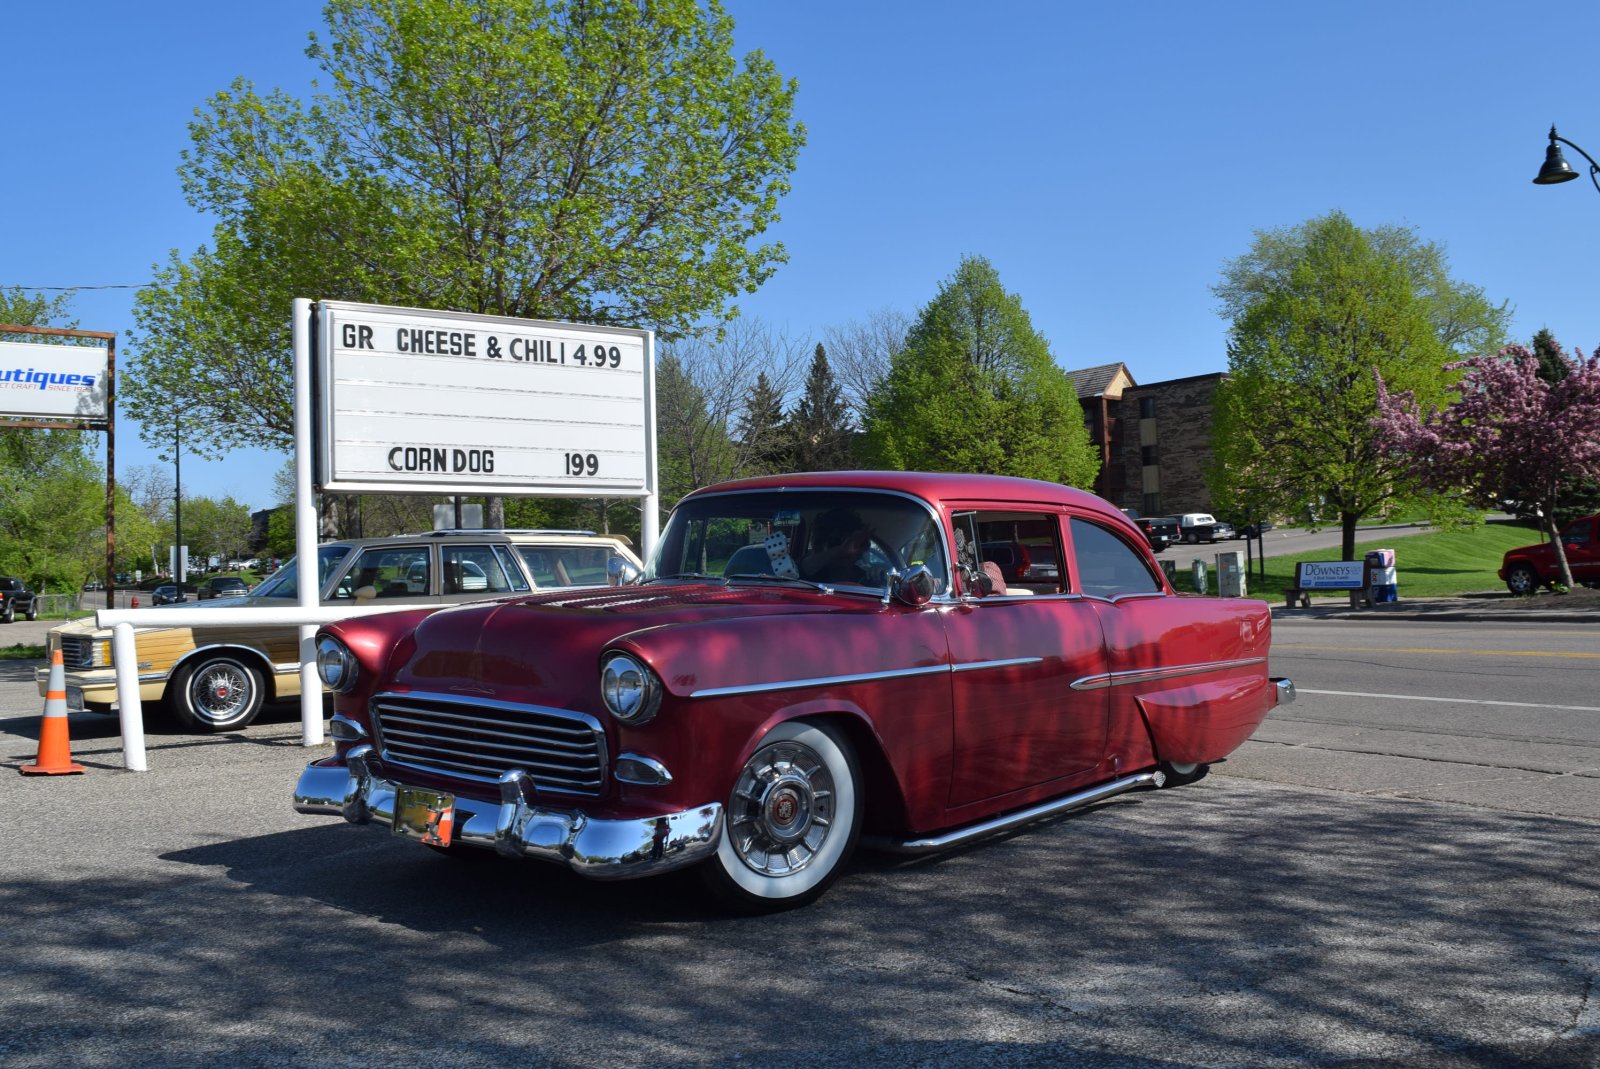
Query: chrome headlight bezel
(337, 667)
(630, 690)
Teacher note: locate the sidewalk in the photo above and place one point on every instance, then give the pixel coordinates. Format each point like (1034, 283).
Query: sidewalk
(1579, 607)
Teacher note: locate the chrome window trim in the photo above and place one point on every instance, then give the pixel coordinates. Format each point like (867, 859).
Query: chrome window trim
(1145, 675)
(859, 677)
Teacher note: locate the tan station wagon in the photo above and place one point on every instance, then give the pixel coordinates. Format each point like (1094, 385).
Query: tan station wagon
(216, 678)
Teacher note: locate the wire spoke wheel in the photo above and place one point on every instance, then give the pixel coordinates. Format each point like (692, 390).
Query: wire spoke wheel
(217, 694)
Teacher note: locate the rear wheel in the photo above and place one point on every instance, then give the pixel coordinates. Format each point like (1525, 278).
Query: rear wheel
(1521, 580)
(1181, 775)
(791, 822)
(218, 693)
(8, 614)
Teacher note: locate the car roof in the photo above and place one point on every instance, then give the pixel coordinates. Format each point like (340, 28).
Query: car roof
(930, 486)
(508, 534)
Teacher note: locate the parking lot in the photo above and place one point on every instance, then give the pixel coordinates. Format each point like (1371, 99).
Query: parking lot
(1363, 916)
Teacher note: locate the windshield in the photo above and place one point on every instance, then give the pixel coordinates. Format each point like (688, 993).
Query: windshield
(284, 583)
(836, 537)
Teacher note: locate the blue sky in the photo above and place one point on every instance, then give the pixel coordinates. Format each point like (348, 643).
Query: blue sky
(1108, 159)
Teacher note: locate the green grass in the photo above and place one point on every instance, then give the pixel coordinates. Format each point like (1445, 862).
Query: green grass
(1434, 565)
(21, 652)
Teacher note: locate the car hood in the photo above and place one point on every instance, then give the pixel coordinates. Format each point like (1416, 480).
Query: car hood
(546, 648)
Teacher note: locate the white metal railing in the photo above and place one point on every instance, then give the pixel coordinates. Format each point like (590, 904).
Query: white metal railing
(125, 656)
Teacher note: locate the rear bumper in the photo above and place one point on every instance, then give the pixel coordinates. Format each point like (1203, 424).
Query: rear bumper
(597, 848)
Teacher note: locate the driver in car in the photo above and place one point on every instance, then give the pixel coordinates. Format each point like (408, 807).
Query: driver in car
(842, 538)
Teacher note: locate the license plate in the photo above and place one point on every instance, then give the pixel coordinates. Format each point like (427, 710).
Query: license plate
(427, 816)
(74, 699)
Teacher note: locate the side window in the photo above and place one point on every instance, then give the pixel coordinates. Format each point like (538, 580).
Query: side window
(565, 565)
(1108, 566)
(1020, 552)
(392, 572)
(472, 570)
(1578, 533)
(508, 564)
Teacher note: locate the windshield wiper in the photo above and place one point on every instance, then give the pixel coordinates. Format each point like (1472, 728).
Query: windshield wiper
(769, 577)
(687, 575)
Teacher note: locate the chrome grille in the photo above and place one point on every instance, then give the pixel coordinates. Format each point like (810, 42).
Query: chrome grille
(77, 651)
(479, 739)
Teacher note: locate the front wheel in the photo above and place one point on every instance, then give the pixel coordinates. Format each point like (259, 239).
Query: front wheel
(33, 611)
(792, 820)
(1522, 581)
(215, 694)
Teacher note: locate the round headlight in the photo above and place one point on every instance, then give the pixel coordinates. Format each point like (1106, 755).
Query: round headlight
(630, 690)
(336, 665)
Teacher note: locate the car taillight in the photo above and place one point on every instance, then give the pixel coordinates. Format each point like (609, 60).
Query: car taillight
(1023, 562)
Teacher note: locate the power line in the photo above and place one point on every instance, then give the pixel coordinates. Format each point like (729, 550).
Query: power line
(114, 286)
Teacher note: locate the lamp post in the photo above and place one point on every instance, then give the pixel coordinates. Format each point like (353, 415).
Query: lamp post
(1556, 169)
(180, 564)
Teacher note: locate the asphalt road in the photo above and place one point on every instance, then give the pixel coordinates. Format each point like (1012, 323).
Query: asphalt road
(1379, 878)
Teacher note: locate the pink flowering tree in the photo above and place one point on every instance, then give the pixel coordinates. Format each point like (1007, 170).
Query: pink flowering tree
(1509, 433)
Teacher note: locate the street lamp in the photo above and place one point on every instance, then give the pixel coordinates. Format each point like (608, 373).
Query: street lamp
(180, 563)
(1556, 169)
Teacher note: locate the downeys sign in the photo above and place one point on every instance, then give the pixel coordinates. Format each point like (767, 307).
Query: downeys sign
(39, 380)
(446, 402)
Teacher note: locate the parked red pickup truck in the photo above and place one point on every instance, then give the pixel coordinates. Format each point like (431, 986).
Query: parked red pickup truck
(1527, 568)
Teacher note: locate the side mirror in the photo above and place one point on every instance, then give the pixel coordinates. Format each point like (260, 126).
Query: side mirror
(916, 587)
(620, 571)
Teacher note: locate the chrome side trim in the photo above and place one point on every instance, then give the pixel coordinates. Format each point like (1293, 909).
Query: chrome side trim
(978, 666)
(819, 681)
(1145, 675)
(1026, 816)
(860, 677)
(598, 849)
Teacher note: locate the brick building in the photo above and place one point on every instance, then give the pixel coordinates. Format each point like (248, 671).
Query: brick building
(1154, 440)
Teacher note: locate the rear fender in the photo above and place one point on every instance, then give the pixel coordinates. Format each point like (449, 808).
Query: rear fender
(1203, 722)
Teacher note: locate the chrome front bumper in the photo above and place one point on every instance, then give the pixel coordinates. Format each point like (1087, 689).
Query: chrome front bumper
(598, 849)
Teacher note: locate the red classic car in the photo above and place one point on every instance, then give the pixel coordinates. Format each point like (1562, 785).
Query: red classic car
(807, 660)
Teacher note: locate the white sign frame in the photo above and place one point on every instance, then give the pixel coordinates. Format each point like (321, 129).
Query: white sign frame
(437, 402)
(39, 380)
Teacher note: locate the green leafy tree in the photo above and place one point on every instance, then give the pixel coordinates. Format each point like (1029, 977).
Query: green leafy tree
(693, 446)
(976, 389)
(818, 431)
(556, 159)
(1316, 309)
(216, 528)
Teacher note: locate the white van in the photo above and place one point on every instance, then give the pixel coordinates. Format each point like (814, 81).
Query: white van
(1197, 527)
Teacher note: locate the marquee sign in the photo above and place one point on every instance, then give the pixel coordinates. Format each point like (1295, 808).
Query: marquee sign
(447, 402)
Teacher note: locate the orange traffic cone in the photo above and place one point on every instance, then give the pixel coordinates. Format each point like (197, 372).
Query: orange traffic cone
(55, 751)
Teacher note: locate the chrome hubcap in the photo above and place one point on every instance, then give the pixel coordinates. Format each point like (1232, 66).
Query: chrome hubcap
(220, 692)
(782, 809)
